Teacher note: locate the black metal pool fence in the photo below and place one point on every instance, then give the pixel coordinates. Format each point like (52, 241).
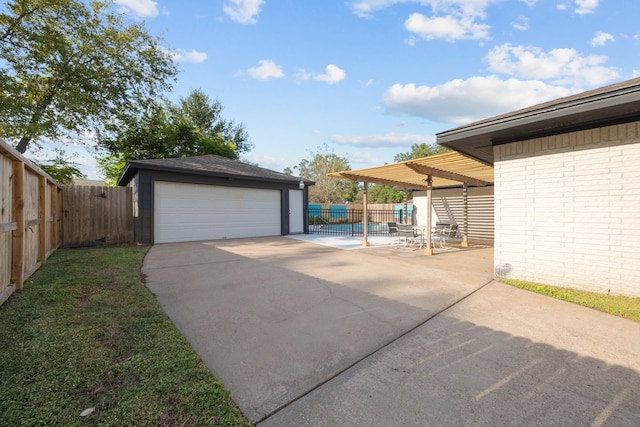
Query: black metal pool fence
(340, 220)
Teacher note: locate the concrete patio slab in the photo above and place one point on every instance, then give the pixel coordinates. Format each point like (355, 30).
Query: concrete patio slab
(275, 317)
(308, 335)
(502, 357)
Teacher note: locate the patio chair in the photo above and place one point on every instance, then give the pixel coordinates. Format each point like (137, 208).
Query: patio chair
(438, 238)
(392, 228)
(443, 232)
(408, 234)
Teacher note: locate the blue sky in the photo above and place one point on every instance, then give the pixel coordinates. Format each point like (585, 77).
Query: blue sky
(372, 77)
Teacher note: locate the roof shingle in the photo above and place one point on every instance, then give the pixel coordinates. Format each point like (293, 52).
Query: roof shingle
(211, 165)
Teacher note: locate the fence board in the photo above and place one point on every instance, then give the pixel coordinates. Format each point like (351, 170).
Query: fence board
(97, 215)
(18, 240)
(6, 222)
(32, 223)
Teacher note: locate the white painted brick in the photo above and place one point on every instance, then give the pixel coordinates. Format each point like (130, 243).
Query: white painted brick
(575, 215)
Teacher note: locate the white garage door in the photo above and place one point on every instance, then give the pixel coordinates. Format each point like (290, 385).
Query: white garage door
(192, 212)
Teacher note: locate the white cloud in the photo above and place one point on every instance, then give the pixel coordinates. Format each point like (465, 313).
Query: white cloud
(465, 101)
(362, 157)
(601, 38)
(384, 140)
(273, 163)
(366, 83)
(194, 56)
(411, 41)
(582, 7)
(560, 66)
(521, 24)
(332, 76)
(266, 70)
(302, 75)
(586, 6)
(142, 8)
(450, 20)
(365, 8)
(529, 2)
(446, 27)
(243, 11)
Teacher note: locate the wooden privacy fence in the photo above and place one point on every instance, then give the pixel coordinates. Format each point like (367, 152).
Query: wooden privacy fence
(96, 215)
(30, 222)
(37, 216)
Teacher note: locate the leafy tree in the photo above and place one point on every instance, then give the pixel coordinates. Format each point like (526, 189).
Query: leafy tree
(205, 115)
(380, 193)
(61, 168)
(420, 150)
(67, 66)
(327, 190)
(161, 133)
(110, 167)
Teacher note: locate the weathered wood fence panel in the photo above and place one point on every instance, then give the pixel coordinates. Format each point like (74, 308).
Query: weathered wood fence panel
(6, 227)
(29, 219)
(97, 215)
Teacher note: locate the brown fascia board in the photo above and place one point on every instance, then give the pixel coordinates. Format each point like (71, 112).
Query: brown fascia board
(574, 113)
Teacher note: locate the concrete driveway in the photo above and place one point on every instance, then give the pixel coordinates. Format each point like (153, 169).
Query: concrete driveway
(308, 335)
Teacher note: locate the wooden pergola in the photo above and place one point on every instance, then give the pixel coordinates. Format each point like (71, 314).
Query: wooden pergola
(427, 173)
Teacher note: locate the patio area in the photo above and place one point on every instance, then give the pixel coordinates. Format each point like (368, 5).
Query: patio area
(387, 244)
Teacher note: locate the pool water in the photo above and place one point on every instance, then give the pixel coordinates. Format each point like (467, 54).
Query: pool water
(355, 227)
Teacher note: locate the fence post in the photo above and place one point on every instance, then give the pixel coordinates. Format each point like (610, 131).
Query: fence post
(42, 216)
(53, 232)
(17, 263)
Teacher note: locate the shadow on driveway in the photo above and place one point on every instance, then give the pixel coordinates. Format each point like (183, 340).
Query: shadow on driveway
(303, 334)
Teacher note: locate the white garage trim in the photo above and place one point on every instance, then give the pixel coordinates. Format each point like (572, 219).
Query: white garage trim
(194, 212)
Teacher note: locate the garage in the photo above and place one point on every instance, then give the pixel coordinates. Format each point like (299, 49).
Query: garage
(191, 212)
(212, 197)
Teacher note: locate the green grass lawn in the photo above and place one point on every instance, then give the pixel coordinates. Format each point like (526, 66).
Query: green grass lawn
(86, 333)
(621, 306)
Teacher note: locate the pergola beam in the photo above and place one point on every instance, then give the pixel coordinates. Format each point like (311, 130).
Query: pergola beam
(392, 183)
(429, 171)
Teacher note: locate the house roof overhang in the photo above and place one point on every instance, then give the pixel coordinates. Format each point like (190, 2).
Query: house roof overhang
(613, 104)
(446, 170)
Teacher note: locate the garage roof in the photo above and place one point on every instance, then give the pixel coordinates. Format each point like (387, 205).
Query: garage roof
(613, 104)
(210, 165)
(447, 170)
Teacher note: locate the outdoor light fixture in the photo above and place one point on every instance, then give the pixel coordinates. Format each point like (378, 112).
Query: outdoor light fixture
(301, 185)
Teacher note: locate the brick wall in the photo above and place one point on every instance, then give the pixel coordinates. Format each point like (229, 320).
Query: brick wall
(567, 210)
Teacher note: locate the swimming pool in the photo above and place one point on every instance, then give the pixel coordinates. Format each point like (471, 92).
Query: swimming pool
(348, 228)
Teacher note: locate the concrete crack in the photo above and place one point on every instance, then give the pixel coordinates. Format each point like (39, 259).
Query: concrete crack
(367, 356)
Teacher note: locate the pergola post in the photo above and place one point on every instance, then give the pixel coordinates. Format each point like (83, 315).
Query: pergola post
(405, 208)
(365, 220)
(428, 250)
(465, 228)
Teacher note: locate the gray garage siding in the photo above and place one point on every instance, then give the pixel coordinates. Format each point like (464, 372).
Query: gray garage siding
(144, 182)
